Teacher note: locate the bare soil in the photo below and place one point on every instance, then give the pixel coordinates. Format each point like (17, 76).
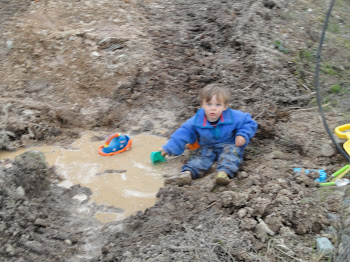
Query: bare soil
(136, 66)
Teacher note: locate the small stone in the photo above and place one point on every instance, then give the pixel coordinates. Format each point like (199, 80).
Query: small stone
(200, 227)
(262, 230)
(96, 54)
(127, 254)
(20, 192)
(327, 150)
(68, 242)
(324, 245)
(10, 250)
(41, 222)
(242, 212)
(333, 217)
(243, 174)
(9, 45)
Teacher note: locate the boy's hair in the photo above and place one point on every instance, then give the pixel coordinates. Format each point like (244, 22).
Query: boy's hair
(220, 91)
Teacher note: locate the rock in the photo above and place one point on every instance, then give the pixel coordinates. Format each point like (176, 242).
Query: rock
(327, 150)
(20, 192)
(242, 212)
(9, 45)
(96, 54)
(262, 231)
(242, 175)
(68, 242)
(31, 173)
(127, 254)
(324, 245)
(344, 249)
(333, 216)
(41, 222)
(10, 250)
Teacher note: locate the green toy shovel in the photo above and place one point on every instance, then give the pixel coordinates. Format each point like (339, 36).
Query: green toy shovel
(157, 157)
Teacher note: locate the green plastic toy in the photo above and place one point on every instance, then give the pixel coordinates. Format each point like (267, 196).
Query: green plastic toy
(157, 157)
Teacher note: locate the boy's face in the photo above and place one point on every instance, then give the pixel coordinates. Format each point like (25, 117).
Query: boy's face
(213, 108)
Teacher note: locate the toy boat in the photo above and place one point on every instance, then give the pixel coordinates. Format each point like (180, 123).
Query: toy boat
(115, 144)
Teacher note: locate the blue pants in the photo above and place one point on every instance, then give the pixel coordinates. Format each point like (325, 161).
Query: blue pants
(228, 158)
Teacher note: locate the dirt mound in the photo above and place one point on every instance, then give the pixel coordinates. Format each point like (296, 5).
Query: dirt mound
(229, 224)
(39, 220)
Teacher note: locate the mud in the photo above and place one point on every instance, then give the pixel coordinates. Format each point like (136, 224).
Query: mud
(136, 66)
(128, 182)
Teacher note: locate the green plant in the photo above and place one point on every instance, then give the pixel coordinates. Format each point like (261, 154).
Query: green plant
(347, 43)
(218, 241)
(335, 88)
(334, 28)
(305, 54)
(279, 46)
(329, 69)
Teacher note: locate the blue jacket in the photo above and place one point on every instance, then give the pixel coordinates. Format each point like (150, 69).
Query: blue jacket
(232, 123)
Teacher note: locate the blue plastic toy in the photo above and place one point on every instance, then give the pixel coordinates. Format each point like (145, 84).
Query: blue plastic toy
(156, 157)
(321, 172)
(115, 144)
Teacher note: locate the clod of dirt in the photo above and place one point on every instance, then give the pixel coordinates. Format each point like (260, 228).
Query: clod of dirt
(31, 172)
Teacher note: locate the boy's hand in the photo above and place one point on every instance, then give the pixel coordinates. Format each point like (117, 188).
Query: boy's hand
(163, 153)
(240, 141)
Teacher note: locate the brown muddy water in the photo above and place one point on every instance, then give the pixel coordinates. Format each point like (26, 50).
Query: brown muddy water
(127, 180)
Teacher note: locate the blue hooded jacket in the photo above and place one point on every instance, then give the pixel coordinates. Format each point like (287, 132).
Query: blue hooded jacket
(232, 123)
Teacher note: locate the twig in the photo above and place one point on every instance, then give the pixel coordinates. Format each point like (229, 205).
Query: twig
(206, 207)
(306, 109)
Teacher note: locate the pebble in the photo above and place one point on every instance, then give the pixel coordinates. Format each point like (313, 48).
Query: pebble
(10, 250)
(9, 45)
(41, 222)
(324, 245)
(20, 192)
(96, 54)
(68, 242)
(327, 150)
(127, 254)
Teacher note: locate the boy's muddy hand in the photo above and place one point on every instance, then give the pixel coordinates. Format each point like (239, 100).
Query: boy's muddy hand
(163, 153)
(240, 141)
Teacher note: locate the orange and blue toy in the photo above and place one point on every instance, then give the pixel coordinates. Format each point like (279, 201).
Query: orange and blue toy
(115, 144)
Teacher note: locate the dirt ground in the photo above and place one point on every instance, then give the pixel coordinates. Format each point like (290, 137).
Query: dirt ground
(136, 66)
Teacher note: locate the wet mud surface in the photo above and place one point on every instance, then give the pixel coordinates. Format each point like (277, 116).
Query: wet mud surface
(136, 67)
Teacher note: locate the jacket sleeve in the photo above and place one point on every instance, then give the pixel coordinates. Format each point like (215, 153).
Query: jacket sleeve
(247, 128)
(186, 134)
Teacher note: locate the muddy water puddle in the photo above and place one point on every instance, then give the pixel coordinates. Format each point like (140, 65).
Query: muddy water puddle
(127, 181)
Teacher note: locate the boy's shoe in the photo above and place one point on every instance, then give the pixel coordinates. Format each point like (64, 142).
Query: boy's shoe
(184, 178)
(222, 178)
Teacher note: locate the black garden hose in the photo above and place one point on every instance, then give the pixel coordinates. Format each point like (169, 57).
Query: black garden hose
(317, 73)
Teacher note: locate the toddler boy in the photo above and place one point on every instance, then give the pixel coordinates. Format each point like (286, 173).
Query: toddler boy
(222, 134)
